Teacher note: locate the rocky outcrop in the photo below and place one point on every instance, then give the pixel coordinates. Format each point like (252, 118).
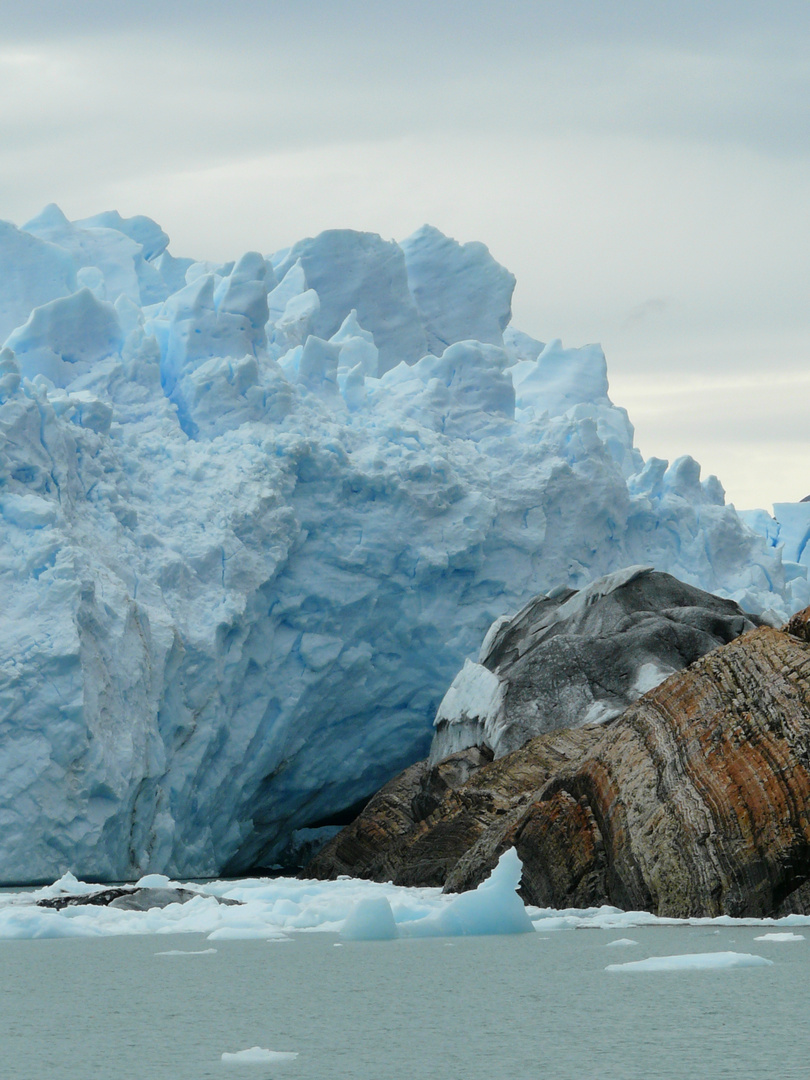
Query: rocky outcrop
(693, 803)
(581, 657)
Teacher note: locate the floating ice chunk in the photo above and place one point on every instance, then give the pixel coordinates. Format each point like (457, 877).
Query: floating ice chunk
(154, 881)
(493, 908)
(780, 937)
(186, 952)
(692, 962)
(257, 1056)
(621, 942)
(244, 933)
(67, 885)
(370, 920)
(27, 923)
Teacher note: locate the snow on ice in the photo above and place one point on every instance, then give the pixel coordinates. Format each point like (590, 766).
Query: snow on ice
(254, 517)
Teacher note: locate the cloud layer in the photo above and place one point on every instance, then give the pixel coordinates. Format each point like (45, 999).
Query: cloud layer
(642, 169)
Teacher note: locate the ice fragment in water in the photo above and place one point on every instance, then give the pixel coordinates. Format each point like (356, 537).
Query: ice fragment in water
(714, 961)
(186, 952)
(493, 908)
(258, 1056)
(370, 920)
(787, 936)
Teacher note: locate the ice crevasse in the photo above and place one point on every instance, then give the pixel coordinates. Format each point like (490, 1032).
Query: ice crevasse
(254, 516)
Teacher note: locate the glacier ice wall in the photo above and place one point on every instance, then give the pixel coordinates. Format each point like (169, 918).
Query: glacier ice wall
(251, 526)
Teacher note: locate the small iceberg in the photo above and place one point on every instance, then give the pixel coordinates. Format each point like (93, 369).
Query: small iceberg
(493, 908)
(783, 936)
(186, 952)
(258, 1056)
(713, 961)
(370, 920)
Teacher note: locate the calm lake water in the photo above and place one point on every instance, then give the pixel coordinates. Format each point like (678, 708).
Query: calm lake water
(530, 1006)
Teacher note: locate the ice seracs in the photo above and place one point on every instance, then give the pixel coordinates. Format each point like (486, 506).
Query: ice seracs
(258, 1055)
(252, 525)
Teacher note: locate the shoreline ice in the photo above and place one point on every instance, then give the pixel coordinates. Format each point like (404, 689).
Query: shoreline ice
(276, 909)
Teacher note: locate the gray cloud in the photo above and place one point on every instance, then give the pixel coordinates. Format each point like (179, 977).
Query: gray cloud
(607, 153)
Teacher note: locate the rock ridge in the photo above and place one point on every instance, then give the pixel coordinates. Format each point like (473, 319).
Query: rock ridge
(692, 803)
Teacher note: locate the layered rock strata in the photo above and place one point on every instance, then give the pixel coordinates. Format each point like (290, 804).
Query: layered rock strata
(693, 803)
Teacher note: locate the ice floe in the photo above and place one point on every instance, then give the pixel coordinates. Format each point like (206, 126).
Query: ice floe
(712, 961)
(275, 909)
(256, 1055)
(186, 952)
(787, 936)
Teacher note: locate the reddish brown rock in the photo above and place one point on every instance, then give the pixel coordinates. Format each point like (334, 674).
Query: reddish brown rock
(694, 802)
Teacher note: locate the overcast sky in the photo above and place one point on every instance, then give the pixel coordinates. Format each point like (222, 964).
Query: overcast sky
(643, 168)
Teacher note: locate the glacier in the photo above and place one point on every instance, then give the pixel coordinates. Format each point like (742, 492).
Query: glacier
(255, 515)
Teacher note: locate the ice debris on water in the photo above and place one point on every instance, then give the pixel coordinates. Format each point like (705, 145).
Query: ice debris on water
(186, 952)
(712, 961)
(255, 515)
(274, 909)
(256, 1055)
(786, 936)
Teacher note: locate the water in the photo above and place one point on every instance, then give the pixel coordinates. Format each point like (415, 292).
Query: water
(529, 1006)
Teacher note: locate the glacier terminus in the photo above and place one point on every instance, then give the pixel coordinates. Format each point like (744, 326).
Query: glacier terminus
(255, 516)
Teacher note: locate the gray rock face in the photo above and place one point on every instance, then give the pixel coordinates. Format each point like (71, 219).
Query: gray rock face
(575, 658)
(693, 803)
(129, 898)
